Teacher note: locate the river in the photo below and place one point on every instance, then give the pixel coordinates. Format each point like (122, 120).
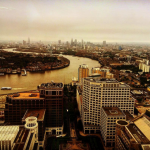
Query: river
(32, 80)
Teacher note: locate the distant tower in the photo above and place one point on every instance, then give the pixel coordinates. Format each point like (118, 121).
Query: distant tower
(28, 40)
(82, 43)
(24, 42)
(71, 42)
(75, 41)
(83, 72)
(59, 42)
(50, 50)
(104, 43)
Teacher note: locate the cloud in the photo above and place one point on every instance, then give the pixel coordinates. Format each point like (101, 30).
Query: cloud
(5, 8)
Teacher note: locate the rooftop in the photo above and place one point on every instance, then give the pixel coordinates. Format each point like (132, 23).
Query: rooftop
(137, 134)
(38, 113)
(144, 125)
(25, 95)
(8, 132)
(51, 85)
(101, 80)
(113, 111)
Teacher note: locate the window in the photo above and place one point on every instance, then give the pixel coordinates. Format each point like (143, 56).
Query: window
(53, 92)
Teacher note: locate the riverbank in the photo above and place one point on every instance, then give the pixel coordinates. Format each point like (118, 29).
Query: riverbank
(14, 63)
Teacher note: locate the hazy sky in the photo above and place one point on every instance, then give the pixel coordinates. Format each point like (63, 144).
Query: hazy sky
(90, 20)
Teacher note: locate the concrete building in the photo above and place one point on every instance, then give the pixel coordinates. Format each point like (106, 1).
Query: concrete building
(103, 72)
(104, 43)
(98, 93)
(79, 99)
(23, 137)
(144, 65)
(134, 135)
(46, 105)
(83, 72)
(109, 115)
(53, 94)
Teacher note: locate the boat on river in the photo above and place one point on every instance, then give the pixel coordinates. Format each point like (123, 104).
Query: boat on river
(6, 88)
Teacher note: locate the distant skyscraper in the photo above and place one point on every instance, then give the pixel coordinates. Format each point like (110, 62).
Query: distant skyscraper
(71, 41)
(28, 40)
(75, 42)
(59, 42)
(24, 42)
(104, 43)
(83, 72)
(82, 43)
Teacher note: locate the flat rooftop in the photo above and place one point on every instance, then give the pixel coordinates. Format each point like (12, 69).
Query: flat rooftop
(143, 124)
(51, 85)
(38, 113)
(29, 95)
(137, 134)
(101, 80)
(8, 132)
(113, 111)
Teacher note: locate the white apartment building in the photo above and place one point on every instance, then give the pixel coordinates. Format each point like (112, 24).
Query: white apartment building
(109, 116)
(144, 65)
(98, 93)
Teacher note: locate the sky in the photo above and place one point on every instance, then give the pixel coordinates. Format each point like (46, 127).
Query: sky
(90, 20)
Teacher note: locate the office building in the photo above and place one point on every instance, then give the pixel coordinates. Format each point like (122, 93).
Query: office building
(134, 135)
(46, 105)
(98, 93)
(83, 72)
(40, 117)
(103, 72)
(28, 40)
(23, 137)
(104, 43)
(53, 94)
(59, 42)
(109, 115)
(144, 65)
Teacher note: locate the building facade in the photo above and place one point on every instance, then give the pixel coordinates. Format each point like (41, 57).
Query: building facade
(134, 135)
(98, 93)
(109, 115)
(83, 72)
(46, 105)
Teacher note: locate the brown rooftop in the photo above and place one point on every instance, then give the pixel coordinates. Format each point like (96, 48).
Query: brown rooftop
(113, 111)
(39, 113)
(26, 95)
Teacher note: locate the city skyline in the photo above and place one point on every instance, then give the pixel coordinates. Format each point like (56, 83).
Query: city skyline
(95, 21)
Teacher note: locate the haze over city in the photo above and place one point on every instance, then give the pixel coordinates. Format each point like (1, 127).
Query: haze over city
(95, 21)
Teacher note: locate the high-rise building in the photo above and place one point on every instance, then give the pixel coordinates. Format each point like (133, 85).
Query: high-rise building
(71, 42)
(83, 72)
(28, 40)
(24, 42)
(133, 135)
(75, 42)
(59, 42)
(109, 115)
(53, 94)
(98, 93)
(104, 43)
(82, 43)
(46, 105)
